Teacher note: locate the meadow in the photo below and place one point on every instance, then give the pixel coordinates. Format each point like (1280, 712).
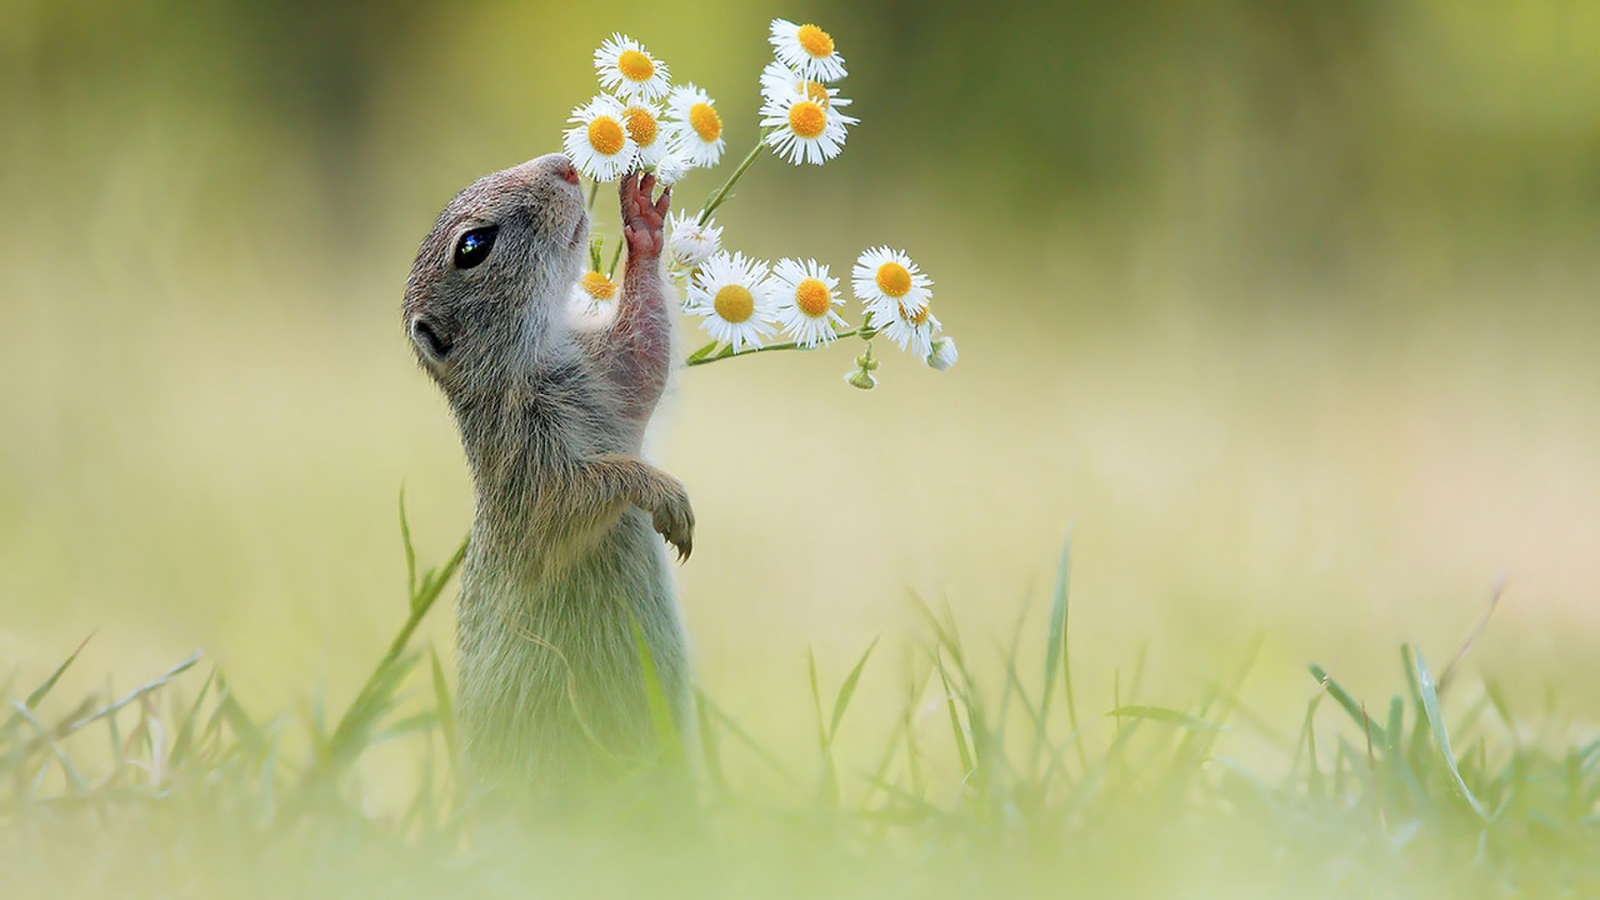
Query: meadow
(987, 785)
(1284, 313)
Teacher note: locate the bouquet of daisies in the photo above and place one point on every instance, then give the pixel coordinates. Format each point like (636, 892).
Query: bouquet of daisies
(642, 121)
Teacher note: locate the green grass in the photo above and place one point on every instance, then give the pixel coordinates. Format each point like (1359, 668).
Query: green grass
(995, 780)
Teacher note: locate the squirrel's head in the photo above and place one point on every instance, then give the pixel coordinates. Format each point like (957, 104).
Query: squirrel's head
(491, 278)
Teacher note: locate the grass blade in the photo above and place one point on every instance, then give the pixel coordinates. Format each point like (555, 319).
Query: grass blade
(181, 744)
(1441, 737)
(667, 737)
(381, 683)
(1166, 716)
(847, 690)
(39, 692)
(446, 711)
(956, 730)
(710, 749)
(816, 696)
(1345, 701)
(411, 552)
(734, 728)
(1057, 655)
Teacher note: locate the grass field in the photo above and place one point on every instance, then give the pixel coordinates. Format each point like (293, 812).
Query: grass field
(991, 777)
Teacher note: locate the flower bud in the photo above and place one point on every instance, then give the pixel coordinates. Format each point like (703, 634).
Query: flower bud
(672, 168)
(862, 378)
(944, 354)
(690, 243)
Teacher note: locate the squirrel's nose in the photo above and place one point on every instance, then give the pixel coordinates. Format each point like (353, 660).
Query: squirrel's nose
(567, 171)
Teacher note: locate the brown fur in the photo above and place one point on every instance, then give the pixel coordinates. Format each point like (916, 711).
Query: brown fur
(563, 556)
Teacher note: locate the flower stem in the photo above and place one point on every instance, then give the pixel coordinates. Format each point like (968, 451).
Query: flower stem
(721, 195)
(705, 355)
(594, 188)
(616, 255)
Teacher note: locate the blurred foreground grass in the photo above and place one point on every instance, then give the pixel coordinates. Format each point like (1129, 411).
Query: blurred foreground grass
(1010, 785)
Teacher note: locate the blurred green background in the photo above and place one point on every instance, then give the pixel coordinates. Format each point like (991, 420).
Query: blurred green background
(1289, 309)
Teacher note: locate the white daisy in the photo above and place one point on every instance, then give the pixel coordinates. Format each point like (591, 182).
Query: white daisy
(806, 296)
(643, 121)
(594, 291)
(690, 243)
(598, 141)
(804, 130)
(910, 328)
(733, 295)
(778, 80)
(807, 49)
(671, 167)
(885, 280)
(696, 127)
(626, 68)
(944, 353)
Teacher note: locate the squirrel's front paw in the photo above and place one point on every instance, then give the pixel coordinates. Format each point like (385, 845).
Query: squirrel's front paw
(673, 517)
(642, 218)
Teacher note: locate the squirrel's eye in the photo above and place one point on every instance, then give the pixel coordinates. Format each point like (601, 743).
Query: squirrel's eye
(473, 248)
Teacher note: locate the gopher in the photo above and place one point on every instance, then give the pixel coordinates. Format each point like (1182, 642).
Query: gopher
(564, 562)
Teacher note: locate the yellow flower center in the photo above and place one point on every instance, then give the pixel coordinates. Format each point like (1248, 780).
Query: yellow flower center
(597, 286)
(705, 122)
(807, 119)
(605, 136)
(815, 41)
(641, 125)
(920, 317)
(817, 91)
(812, 297)
(734, 303)
(635, 66)
(894, 280)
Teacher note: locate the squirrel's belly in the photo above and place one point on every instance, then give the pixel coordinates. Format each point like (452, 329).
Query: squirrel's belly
(550, 672)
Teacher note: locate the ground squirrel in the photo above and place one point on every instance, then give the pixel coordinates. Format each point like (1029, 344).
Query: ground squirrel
(563, 556)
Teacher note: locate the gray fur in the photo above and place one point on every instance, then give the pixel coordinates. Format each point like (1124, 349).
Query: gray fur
(564, 554)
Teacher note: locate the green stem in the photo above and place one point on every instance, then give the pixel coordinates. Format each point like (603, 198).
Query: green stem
(594, 188)
(721, 195)
(616, 255)
(865, 332)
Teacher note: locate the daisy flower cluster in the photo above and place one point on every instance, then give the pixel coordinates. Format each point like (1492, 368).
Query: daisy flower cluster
(640, 120)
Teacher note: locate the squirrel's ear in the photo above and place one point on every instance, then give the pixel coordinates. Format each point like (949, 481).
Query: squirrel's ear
(431, 341)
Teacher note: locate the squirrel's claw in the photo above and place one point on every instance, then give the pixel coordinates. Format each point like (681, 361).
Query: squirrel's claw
(680, 535)
(673, 518)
